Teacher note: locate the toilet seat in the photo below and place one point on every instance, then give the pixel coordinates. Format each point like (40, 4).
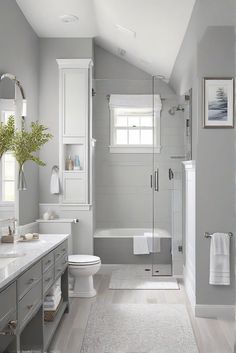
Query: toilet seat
(84, 260)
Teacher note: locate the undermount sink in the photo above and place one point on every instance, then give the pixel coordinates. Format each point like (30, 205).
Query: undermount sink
(11, 254)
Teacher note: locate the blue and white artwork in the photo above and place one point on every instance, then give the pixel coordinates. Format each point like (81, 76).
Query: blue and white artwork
(218, 103)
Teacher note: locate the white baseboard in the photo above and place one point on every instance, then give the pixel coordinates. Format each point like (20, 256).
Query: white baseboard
(215, 311)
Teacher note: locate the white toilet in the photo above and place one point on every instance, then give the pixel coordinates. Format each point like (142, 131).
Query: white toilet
(82, 268)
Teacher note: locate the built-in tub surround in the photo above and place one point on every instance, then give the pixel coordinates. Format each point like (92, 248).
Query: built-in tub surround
(115, 246)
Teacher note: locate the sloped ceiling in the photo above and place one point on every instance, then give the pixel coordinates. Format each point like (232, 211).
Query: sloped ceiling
(156, 28)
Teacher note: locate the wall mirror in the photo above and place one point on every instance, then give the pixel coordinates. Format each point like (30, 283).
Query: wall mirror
(12, 104)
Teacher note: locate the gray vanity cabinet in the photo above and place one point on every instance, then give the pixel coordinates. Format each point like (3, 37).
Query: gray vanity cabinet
(21, 304)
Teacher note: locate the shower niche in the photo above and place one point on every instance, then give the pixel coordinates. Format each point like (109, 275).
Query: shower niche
(75, 130)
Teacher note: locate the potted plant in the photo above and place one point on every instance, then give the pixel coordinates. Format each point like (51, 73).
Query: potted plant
(25, 145)
(6, 135)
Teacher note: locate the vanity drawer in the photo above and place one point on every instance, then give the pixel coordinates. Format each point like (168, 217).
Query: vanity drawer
(7, 305)
(60, 266)
(48, 261)
(48, 279)
(29, 303)
(61, 250)
(29, 279)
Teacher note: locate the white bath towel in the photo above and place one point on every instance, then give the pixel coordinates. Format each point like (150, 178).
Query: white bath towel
(51, 306)
(220, 259)
(154, 242)
(55, 183)
(51, 298)
(140, 245)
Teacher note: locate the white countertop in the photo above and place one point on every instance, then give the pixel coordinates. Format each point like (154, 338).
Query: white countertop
(32, 251)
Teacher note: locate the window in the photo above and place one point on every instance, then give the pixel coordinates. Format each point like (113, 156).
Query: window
(134, 129)
(7, 165)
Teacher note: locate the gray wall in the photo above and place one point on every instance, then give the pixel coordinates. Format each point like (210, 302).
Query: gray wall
(215, 171)
(19, 56)
(208, 49)
(122, 181)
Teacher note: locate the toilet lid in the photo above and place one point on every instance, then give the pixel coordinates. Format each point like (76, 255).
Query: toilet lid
(84, 259)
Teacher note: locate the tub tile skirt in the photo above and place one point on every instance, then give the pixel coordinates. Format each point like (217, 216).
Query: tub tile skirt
(138, 328)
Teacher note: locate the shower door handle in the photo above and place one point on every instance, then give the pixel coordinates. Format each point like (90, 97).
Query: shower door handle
(156, 181)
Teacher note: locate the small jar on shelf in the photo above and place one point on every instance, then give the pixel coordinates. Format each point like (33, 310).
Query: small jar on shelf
(69, 164)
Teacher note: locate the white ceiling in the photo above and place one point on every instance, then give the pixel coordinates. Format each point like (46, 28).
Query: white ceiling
(160, 26)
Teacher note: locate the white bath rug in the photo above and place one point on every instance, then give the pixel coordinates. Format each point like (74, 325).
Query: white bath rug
(132, 328)
(135, 277)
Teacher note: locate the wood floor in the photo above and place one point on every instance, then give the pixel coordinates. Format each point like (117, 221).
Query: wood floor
(212, 335)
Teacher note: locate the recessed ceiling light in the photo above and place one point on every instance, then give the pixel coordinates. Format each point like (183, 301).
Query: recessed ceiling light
(125, 30)
(69, 18)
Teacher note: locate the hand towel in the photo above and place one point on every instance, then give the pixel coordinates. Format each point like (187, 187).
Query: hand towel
(220, 259)
(55, 183)
(154, 242)
(140, 245)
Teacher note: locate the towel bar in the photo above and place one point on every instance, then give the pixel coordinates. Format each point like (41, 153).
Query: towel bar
(208, 235)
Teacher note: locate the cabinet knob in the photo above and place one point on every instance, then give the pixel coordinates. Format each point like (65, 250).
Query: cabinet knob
(12, 324)
(30, 306)
(31, 281)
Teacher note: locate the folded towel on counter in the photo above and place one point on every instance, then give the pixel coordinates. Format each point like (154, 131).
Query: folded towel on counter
(140, 245)
(154, 242)
(220, 259)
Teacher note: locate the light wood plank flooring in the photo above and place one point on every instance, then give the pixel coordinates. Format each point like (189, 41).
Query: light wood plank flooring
(212, 335)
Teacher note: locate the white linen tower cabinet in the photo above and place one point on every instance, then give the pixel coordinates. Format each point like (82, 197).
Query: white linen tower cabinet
(75, 130)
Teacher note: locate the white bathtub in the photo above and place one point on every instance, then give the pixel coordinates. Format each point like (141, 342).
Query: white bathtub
(129, 232)
(115, 246)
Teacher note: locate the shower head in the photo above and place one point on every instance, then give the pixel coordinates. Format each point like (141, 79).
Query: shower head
(175, 109)
(10, 76)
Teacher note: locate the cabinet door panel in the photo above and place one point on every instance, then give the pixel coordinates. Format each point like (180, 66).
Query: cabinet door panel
(74, 188)
(75, 91)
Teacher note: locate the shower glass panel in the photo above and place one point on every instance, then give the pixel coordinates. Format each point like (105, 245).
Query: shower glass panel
(168, 153)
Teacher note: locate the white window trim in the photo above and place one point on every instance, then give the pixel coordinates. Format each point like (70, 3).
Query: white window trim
(142, 149)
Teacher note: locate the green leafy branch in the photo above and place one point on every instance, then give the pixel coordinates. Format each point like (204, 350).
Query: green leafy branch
(26, 143)
(6, 135)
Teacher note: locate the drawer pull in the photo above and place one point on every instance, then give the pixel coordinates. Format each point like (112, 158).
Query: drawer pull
(31, 281)
(59, 269)
(30, 306)
(48, 262)
(48, 279)
(11, 326)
